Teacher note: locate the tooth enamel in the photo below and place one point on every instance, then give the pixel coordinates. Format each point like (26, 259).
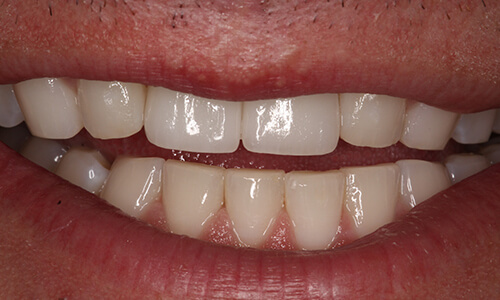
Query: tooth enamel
(371, 120)
(192, 194)
(492, 153)
(182, 121)
(307, 125)
(371, 195)
(84, 167)
(474, 128)
(133, 184)
(427, 127)
(49, 107)
(461, 166)
(313, 201)
(111, 109)
(496, 123)
(253, 200)
(420, 180)
(10, 113)
(15, 137)
(45, 153)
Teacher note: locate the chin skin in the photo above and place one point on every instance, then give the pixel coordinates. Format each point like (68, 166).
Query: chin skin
(56, 241)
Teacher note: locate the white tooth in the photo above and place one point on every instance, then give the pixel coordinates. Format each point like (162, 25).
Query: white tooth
(84, 167)
(15, 137)
(496, 123)
(371, 195)
(111, 109)
(49, 107)
(474, 128)
(461, 166)
(313, 201)
(45, 153)
(253, 201)
(133, 184)
(192, 194)
(427, 127)
(492, 153)
(10, 113)
(420, 180)
(182, 121)
(307, 125)
(371, 120)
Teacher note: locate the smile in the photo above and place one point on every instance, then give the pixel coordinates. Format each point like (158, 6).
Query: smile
(203, 174)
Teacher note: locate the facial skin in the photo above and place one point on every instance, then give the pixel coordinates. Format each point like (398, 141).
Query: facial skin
(73, 245)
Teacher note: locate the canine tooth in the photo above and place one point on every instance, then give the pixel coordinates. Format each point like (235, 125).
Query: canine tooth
(10, 113)
(313, 201)
(371, 120)
(474, 128)
(192, 194)
(182, 121)
(427, 127)
(111, 109)
(253, 201)
(84, 167)
(133, 183)
(371, 195)
(307, 125)
(49, 107)
(43, 152)
(421, 180)
(461, 166)
(492, 153)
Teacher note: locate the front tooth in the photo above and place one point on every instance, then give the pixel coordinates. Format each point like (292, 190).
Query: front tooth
(253, 200)
(111, 109)
(84, 167)
(182, 121)
(49, 107)
(10, 113)
(492, 153)
(133, 184)
(461, 166)
(474, 128)
(43, 152)
(313, 201)
(371, 195)
(307, 125)
(15, 137)
(371, 120)
(427, 127)
(421, 180)
(192, 194)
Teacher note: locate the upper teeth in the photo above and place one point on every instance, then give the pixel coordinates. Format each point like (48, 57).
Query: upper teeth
(308, 125)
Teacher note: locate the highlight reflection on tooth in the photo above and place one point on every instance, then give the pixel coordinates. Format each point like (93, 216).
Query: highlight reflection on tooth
(427, 127)
(461, 166)
(133, 184)
(84, 167)
(474, 128)
(253, 200)
(49, 107)
(314, 203)
(43, 152)
(421, 180)
(307, 125)
(111, 109)
(371, 195)
(192, 194)
(371, 120)
(10, 112)
(175, 120)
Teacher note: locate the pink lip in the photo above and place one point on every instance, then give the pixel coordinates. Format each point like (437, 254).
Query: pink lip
(73, 244)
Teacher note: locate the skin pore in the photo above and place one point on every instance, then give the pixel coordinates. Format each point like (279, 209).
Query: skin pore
(74, 245)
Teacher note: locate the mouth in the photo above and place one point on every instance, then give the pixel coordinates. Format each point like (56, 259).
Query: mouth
(280, 213)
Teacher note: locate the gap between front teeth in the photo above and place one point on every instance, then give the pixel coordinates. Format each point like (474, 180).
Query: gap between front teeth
(308, 125)
(323, 209)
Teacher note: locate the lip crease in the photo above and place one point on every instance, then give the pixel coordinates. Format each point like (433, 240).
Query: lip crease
(447, 246)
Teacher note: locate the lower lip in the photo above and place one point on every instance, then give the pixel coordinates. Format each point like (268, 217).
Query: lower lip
(79, 246)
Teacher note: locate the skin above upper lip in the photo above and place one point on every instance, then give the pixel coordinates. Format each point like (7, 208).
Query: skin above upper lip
(441, 54)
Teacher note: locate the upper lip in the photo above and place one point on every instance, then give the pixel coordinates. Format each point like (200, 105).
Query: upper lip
(262, 51)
